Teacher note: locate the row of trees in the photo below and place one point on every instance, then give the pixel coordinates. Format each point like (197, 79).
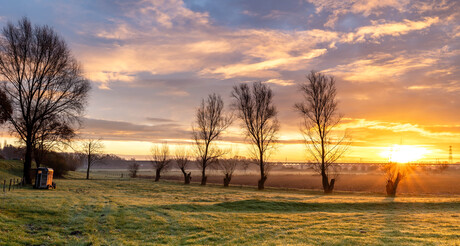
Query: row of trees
(254, 108)
(162, 158)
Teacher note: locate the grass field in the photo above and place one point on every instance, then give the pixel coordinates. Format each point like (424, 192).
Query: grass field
(139, 211)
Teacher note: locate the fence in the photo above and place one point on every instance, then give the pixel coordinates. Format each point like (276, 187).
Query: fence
(13, 184)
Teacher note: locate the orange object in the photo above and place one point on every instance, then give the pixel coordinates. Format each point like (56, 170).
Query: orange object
(44, 178)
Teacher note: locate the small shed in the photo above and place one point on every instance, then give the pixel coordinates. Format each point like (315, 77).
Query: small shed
(44, 178)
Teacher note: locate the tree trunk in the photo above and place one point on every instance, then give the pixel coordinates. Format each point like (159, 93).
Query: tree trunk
(263, 177)
(227, 179)
(203, 176)
(87, 171)
(327, 187)
(260, 184)
(157, 175)
(28, 162)
(392, 186)
(187, 176)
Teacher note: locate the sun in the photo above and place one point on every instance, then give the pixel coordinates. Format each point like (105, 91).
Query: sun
(404, 153)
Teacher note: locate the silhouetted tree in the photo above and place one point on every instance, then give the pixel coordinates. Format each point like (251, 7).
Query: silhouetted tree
(41, 80)
(319, 112)
(395, 173)
(160, 159)
(133, 168)
(210, 123)
(182, 158)
(256, 110)
(93, 150)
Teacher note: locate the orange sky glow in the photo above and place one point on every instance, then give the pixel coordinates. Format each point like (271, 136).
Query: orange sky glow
(151, 62)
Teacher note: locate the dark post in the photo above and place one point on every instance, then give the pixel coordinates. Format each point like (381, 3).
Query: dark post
(9, 188)
(4, 184)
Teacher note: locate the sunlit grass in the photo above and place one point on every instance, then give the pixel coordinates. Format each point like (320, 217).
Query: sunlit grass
(130, 212)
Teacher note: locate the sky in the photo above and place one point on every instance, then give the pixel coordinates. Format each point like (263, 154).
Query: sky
(151, 62)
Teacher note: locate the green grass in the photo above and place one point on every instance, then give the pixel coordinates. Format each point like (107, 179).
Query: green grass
(132, 212)
(10, 169)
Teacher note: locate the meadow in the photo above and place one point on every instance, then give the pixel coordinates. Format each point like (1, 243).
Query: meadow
(113, 211)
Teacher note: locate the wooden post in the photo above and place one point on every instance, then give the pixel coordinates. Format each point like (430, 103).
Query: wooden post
(4, 184)
(9, 188)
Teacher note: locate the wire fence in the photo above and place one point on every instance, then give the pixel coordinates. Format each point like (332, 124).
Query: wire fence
(12, 184)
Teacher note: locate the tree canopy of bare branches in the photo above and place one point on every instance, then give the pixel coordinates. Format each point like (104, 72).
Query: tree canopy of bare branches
(182, 158)
(160, 159)
(93, 150)
(5, 107)
(319, 112)
(209, 125)
(256, 110)
(395, 173)
(42, 81)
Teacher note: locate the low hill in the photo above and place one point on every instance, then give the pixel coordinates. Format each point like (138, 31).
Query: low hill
(10, 169)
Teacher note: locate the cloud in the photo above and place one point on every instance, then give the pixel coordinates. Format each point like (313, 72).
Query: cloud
(382, 66)
(363, 7)
(265, 68)
(280, 82)
(122, 130)
(153, 119)
(381, 28)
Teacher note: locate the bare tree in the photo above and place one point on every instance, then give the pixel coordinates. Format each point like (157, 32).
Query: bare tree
(160, 159)
(395, 173)
(93, 150)
(133, 168)
(182, 158)
(210, 123)
(42, 81)
(319, 112)
(256, 110)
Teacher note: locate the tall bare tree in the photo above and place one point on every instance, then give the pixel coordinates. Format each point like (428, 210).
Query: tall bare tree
(160, 159)
(93, 150)
(319, 112)
(42, 81)
(395, 174)
(256, 110)
(210, 123)
(182, 158)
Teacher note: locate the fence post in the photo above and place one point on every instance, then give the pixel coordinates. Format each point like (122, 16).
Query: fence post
(4, 184)
(9, 188)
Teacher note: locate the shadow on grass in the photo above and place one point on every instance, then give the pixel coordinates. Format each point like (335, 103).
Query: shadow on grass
(260, 206)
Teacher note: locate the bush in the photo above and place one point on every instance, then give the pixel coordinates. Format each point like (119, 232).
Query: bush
(57, 162)
(133, 169)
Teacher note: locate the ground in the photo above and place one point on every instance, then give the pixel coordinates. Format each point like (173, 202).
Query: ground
(113, 211)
